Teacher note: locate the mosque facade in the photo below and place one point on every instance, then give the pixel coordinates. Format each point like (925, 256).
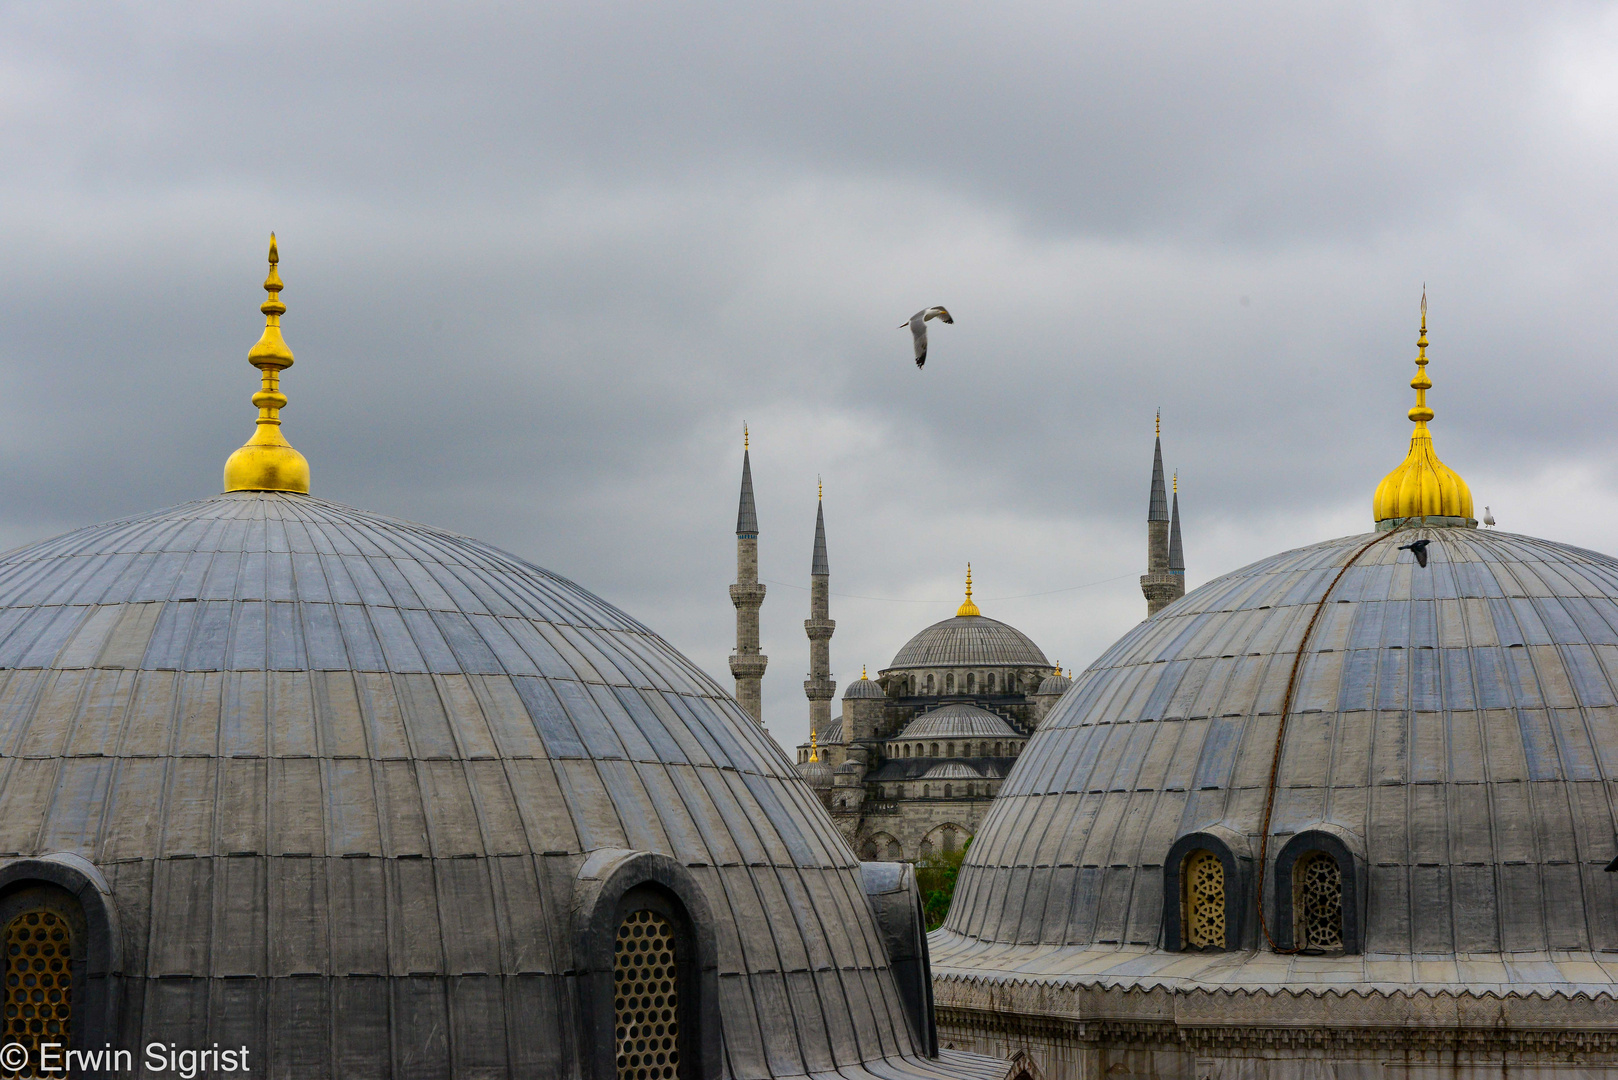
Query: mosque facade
(1347, 813)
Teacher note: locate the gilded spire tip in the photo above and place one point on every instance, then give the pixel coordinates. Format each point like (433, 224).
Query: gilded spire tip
(267, 462)
(744, 436)
(968, 608)
(1422, 487)
(1160, 422)
(820, 488)
(863, 676)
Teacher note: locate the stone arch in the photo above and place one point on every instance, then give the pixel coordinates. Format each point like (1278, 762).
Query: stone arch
(886, 846)
(988, 683)
(945, 838)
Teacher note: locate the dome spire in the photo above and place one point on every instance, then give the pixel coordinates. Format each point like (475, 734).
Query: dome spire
(1422, 487)
(267, 462)
(814, 754)
(968, 608)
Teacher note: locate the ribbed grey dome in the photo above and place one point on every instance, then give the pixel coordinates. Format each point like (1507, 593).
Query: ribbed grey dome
(1456, 726)
(969, 641)
(864, 688)
(952, 770)
(1054, 684)
(958, 720)
(299, 739)
(816, 773)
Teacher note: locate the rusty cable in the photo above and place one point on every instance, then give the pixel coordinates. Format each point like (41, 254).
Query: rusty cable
(1280, 736)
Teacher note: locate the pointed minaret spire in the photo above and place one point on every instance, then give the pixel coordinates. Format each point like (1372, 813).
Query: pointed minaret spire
(747, 663)
(1176, 552)
(1158, 583)
(819, 687)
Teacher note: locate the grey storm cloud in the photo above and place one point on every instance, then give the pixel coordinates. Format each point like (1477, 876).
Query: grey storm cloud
(543, 261)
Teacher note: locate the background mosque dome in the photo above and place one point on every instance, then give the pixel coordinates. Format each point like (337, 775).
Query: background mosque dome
(969, 641)
(958, 720)
(1452, 735)
(1054, 684)
(863, 687)
(952, 770)
(816, 773)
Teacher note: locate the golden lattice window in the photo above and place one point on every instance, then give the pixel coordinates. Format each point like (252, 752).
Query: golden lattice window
(1317, 902)
(646, 1001)
(1203, 909)
(39, 982)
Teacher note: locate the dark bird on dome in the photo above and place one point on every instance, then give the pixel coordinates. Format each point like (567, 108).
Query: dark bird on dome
(918, 329)
(1418, 548)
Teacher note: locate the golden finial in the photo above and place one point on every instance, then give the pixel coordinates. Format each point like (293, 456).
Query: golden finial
(267, 462)
(1176, 481)
(863, 677)
(744, 435)
(1160, 422)
(968, 608)
(1422, 486)
(820, 488)
(813, 755)
(1070, 673)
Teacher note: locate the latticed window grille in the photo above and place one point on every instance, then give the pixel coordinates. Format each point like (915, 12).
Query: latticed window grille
(39, 983)
(1317, 906)
(646, 1000)
(1204, 910)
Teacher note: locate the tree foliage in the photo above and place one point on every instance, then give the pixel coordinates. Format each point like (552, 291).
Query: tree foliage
(935, 878)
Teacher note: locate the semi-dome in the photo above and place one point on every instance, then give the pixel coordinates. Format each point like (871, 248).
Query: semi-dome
(958, 720)
(952, 770)
(365, 794)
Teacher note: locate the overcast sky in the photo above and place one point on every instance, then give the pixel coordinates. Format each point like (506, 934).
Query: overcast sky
(543, 261)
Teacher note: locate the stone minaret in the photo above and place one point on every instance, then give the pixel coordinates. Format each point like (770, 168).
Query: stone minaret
(1161, 587)
(747, 663)
(1176, 552)
(818, 687)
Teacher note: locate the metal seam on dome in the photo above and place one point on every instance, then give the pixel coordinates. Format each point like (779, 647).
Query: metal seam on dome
(1281, 731)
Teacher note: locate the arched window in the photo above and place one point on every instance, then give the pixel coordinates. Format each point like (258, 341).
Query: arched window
(895, 852)
(646, 1000)
(949, 683)
(988, 683)
(971, 681)
(933, 749)
(907, 749)
(1202, 901)
(926, 791)
(949, 749)
(39, 961)
(929, 683)
(1317, 903)
(996, 749)
(947, 792)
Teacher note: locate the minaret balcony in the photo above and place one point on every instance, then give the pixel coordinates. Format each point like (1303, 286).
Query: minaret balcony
(819, 629)
(748, 667)
(747, 595)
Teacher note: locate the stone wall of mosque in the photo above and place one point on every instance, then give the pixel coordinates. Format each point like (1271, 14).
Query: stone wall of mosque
(1106, 1033)
(909, 829)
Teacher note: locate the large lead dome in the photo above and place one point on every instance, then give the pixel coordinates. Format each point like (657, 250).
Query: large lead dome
(1456, 725)
(373, 799)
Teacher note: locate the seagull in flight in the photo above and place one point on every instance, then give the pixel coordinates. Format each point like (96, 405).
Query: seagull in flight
(918, 329)
(1418, 548)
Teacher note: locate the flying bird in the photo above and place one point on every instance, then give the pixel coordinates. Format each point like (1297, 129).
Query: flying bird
(1418, 548)
(1488, 517)
(918, 329)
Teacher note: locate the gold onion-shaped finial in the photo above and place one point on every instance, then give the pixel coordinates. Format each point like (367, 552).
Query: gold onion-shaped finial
(814, 751)
(968, 608)
(267, 462)
(1422, 486)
